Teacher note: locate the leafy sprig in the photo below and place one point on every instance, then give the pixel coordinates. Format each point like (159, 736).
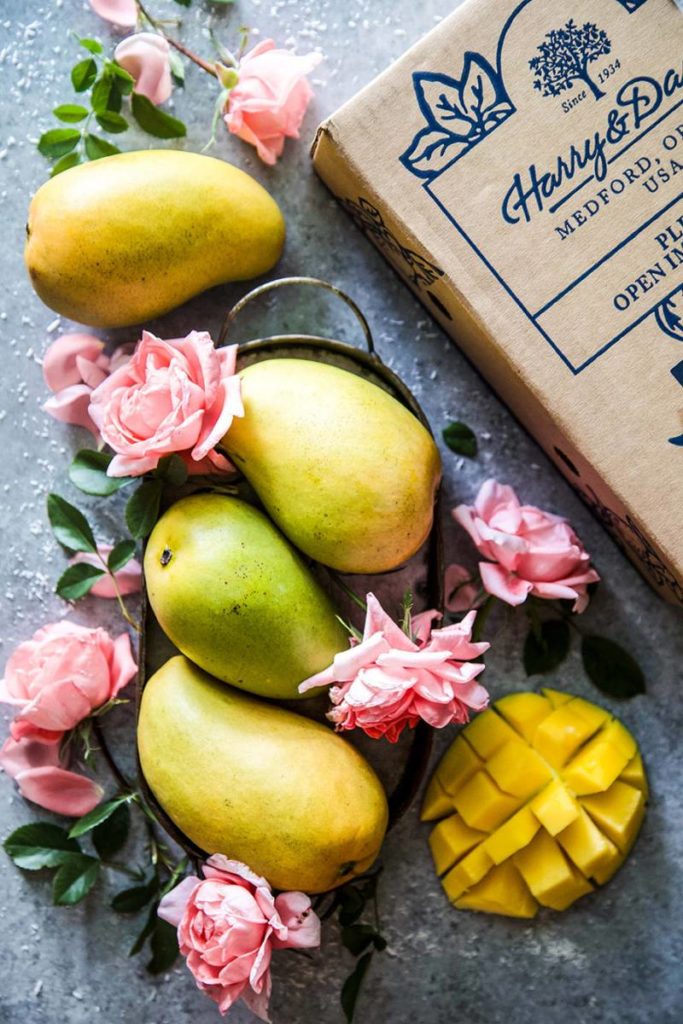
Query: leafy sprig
(107, 89)
(352, 902)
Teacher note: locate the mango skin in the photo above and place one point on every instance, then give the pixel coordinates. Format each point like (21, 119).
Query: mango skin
(262, 785)
(235, 597)
(124, 239)
(345, 470)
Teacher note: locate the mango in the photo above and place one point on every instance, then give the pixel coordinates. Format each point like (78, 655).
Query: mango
(124, 239)
(345, 470)
(235, 597)
(260, 784)
(549, 793)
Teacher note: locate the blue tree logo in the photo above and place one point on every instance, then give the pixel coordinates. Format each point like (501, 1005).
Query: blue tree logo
(564, 57)
(459, 114)
(631, 5)
(669, 315)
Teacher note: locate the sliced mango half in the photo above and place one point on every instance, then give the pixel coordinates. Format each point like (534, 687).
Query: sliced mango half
(540, 798)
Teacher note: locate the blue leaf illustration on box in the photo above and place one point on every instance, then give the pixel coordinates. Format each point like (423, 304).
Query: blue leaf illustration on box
(669, 315)
(459, 114)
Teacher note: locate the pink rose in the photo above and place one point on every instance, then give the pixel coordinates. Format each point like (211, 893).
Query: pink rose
(37, 768)
(530, 551)
(173, 396)
(128, 579)
(270, 99)
(389, 681)
(145, 57)
(123, 13)
(73, 366)
(461, 592)
(62, 674)
(228, 924)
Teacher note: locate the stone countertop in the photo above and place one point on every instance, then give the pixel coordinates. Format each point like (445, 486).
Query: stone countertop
(615, 956)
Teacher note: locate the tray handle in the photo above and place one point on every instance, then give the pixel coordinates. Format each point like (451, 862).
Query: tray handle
(281, 282)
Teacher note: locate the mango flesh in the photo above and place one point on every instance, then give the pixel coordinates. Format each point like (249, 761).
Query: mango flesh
(262, 785)
(345, 470)
(549, 794)
(124, 239)
(234, 596)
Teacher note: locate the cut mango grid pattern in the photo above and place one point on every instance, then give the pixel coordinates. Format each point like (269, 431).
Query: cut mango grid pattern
(540, 797)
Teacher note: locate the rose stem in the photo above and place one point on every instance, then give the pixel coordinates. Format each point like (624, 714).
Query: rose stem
(199, 61)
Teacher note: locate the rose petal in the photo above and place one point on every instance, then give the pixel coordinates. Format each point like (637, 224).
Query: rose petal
(59, 790)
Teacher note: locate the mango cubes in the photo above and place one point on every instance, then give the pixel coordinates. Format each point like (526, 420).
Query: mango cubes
(539, 798)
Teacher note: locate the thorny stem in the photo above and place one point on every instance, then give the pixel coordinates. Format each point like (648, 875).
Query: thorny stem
(194, 57)
(119, 597)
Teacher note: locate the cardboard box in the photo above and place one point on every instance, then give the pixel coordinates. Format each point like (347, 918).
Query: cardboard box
(521, 168)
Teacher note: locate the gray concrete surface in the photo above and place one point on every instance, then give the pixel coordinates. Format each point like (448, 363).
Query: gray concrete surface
(615, 957)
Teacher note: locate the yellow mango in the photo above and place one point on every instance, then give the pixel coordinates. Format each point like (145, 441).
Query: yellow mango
(524, 711)
(554, 807)
(487, 732)
(482, 804)
(450, 840)
(550, 876)
(516, 833)
(518, 770)
(587, 846)
(634, 774)
(550, 793)
(561, 734)
(557, 697)
(122, 240)
(618, 812)
(501, 891)
(601, 761)
(467, 873)
(436, 801)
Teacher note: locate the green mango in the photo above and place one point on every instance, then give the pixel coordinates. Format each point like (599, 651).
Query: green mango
(347, 472)
(122, 240)
(235, 597)
(245, 778)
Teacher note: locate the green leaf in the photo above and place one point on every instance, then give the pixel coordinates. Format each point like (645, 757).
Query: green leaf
(74, 880)
(58, 142)
(97, 816)
(177, 67)
(126, 81)
(352, 985)
(129, 901)
(352, 905)
(106, 96)
(88, 472)
(357, 937)
(546, 647)
(70, 112)
(164, 944)
(93, 45)
(172, 470)
(147, 930)
(77, 581)
(84, 74)
(154, 121)
(111, 834)
(612, 669)
(120, 555)
(64, 163)
(69, 526)
(460, 439)
(112, 122)
(40, 845)
(142, 510)
(96, 148)
(184, 3)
